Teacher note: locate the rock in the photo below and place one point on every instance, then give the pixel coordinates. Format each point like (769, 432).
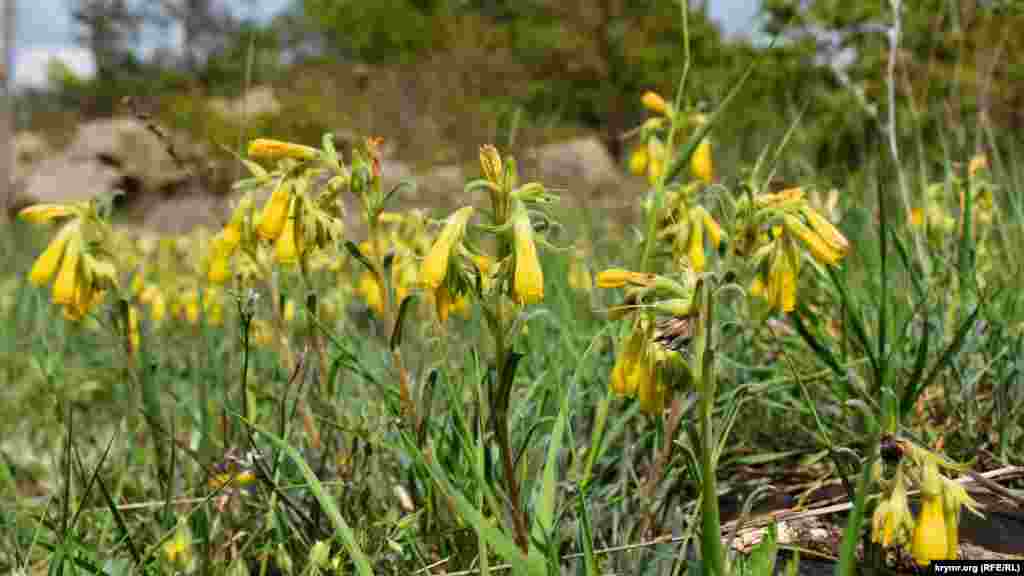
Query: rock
(258, 101)
(124, 154)
(105, 155)
(183, 212)
(582, 164)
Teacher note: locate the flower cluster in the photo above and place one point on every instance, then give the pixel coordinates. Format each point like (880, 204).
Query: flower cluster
(454, 267)
(777, 231)
(934, 534)
(77, 256)
(650, 157)
(644, 367)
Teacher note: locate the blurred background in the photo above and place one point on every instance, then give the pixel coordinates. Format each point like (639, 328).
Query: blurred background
(152, 96)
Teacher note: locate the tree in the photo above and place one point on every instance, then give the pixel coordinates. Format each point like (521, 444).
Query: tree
(108, 29)
(204, 26)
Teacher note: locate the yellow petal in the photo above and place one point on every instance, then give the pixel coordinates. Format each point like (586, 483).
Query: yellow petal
(442, 303)
(930, 535)
(41, 213)
(650, 392)
(711, 226)
(638, 161)
(46, 265)
(68, 278)
(821, 250)
(275, 149)
(219, 271)
(777, 199)
(528, 280)
(618, 277)
(275, 212)
(654, 102)
(490, 163)
(696, 248)
(371, 292)
(133, 329)
(288, 244)
(828, 232)
(701, 166)
(158, 307)
(435, 265)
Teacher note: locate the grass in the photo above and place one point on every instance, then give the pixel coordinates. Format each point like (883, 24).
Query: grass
(362, 434)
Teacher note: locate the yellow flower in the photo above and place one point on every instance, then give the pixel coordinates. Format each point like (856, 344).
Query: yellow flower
(403, 275)
(696, 244)
(289, 244)
(701, 166)
(461, 306)
(443, 303)
(528, 281)
(917, 218)
(650, 388)
(486, 266)
(638, 161)
(777, 199)
(710, 226)
(68, 281)
(892, 522)
(178, 549)
(289, 310)
(275, 149)
(213, 306)
(656, 160)
(490, 163)
(822, 250)
(275, 212)
(371, 292)
(625, 364)
(828, 232)
(930, 537)
(435, 266)
(40, 213)
(779, 289)
(654, 102)
(133, 329)
(46, 265)
(153, 296)
(618, 277)
(219, 259)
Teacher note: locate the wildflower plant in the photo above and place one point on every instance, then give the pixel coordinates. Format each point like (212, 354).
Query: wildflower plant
(934, 533)
(494, 264)
(707, 258)
(78, 259)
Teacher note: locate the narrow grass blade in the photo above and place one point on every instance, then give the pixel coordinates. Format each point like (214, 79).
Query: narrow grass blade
(328, 503)
(848, 548)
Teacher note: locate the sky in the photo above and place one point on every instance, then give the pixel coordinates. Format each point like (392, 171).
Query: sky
(45, 31)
